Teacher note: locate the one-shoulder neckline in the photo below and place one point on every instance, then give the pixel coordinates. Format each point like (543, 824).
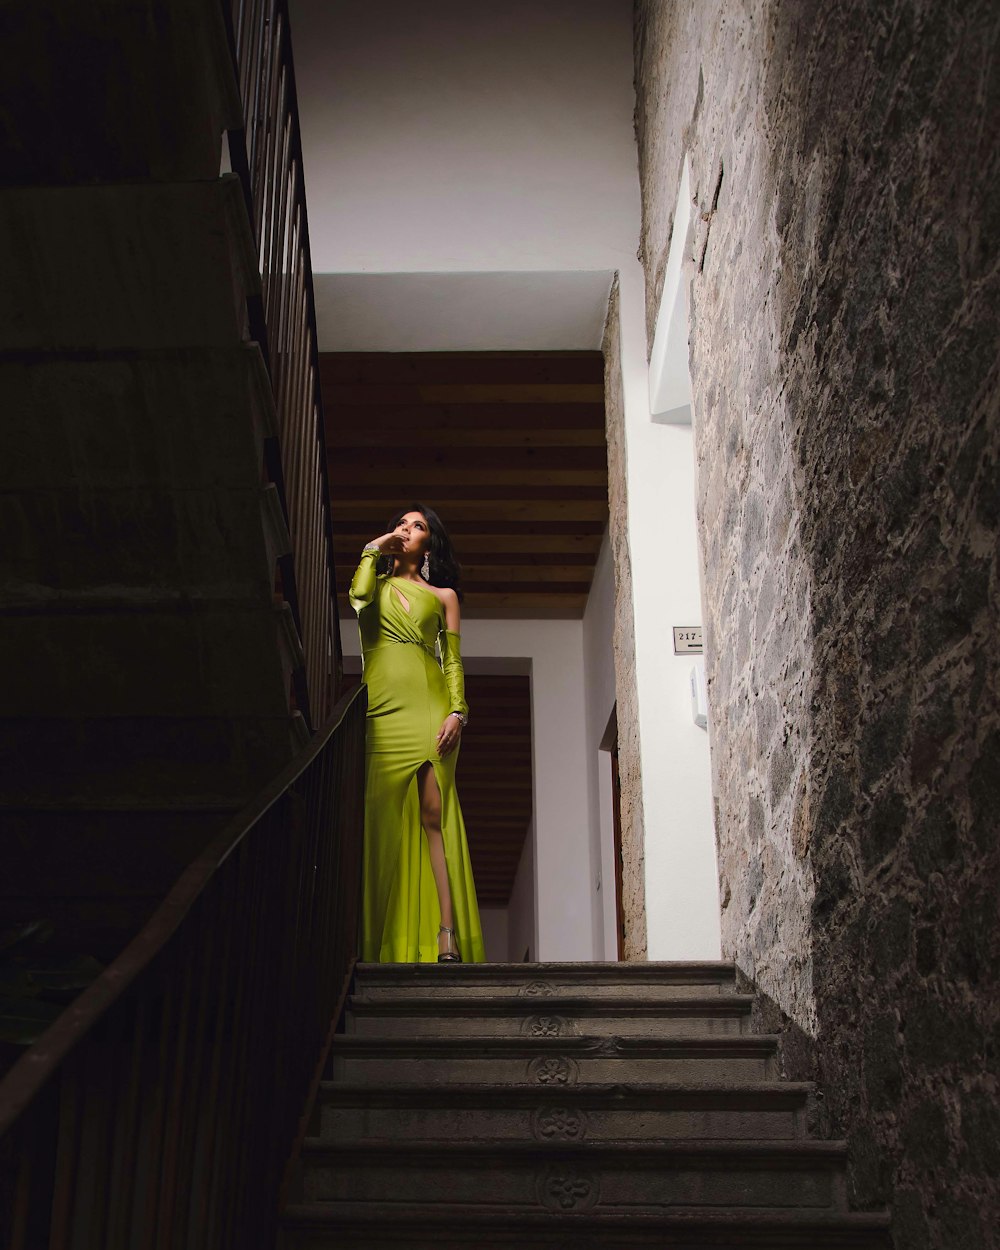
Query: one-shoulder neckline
(391, 577)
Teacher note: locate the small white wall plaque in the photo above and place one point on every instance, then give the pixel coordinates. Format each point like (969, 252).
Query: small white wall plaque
(687, 640)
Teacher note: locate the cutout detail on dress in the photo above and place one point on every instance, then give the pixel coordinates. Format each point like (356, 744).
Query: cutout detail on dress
(402, 598)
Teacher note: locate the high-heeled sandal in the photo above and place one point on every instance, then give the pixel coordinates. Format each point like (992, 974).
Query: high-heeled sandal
(451, 955)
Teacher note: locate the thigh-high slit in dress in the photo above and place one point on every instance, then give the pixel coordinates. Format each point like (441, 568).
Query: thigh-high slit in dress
(409, 696)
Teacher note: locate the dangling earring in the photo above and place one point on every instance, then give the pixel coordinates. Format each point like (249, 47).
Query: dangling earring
(425, 568)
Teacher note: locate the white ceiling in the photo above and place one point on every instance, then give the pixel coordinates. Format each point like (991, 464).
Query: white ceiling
(462, 312)
(470, 169)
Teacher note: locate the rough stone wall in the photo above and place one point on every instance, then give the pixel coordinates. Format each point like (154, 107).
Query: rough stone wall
(626, 693)
(845, 297)
(757, 585)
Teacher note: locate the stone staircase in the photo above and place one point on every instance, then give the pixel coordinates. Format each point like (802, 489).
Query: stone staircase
(564, 1105)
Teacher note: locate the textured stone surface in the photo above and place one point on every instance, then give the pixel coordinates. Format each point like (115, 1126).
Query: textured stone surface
(674, 1142)
(627, 696)
(844, 301)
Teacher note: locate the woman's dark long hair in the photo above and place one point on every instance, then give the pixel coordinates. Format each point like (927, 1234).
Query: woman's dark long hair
(445, 569)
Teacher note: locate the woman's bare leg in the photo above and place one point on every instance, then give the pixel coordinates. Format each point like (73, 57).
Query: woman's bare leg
(430, 818)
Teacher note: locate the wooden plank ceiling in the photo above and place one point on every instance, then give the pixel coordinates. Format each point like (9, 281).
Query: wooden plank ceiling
(508, 447)
(494, 779)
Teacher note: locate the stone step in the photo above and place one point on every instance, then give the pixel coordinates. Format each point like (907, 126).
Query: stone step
(580, 1176)
(499, 980)
(561, 1016)
(553, 1061)
(375, 1225)
(771, 1111)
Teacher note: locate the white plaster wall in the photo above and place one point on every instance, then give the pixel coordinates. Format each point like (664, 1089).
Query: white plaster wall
(452, 136)
(599, 697)
(471, 170)
(682, 893)
(561, 798)
(539, 311)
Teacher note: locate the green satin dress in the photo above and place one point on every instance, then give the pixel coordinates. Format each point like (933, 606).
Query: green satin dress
(409, 696)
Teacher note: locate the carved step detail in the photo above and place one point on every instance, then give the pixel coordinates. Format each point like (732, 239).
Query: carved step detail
(566, 1106)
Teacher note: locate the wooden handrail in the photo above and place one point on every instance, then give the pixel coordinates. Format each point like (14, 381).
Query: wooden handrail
(31, 1072)
(256, 939)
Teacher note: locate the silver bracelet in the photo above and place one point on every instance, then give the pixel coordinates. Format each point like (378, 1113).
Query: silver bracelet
(461, 716)
(371, 547)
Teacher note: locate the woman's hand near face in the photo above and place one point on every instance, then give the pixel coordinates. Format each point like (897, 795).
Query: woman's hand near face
(449, 735)
(391, 544)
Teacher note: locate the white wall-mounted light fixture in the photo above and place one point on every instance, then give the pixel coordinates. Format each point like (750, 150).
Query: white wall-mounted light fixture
(699, 695)
(669, 380)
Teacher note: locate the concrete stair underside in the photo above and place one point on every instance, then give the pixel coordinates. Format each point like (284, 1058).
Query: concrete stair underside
(148, 689)
(564, 1105)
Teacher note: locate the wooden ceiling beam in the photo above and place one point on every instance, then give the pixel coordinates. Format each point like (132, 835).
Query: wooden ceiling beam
(487, 527)
(515, 574)
(382, 367)
(502, 607)
(441, 485)
(433, 419)
(526, 604)
(346, 437)
(368, 395)
(508, 446)
(525, 511)
(442, 456)
(505, 545)
(476, 556)
(514, 586)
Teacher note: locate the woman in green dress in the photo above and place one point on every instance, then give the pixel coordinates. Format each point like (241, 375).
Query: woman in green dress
(418, 895)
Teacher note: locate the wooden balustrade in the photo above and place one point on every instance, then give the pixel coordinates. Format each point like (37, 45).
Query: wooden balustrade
(267, 156)
(161, 1108)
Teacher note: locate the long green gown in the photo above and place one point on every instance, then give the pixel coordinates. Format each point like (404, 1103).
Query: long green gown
(409, 696)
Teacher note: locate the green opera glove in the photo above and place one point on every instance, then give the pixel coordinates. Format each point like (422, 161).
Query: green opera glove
(454, 673)
(363, 583)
